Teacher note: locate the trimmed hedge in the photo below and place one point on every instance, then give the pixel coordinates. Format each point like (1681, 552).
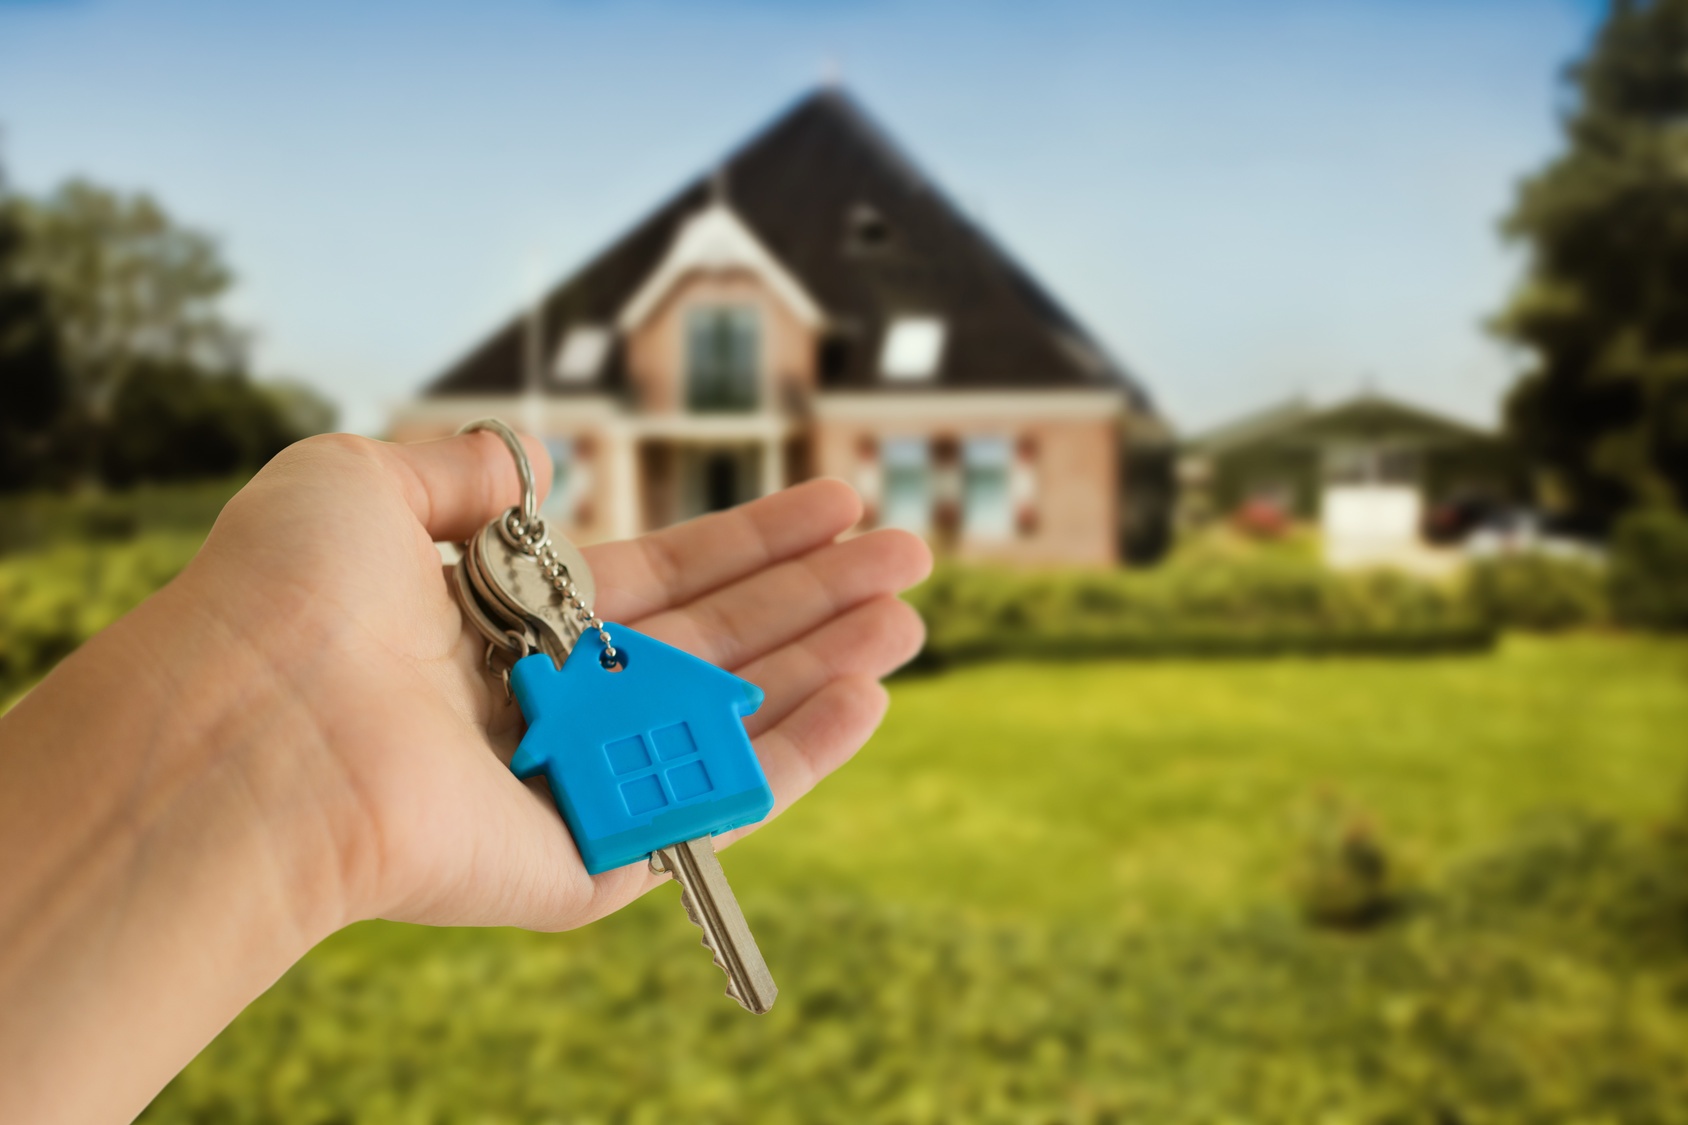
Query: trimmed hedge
(53, 600)
(1539, 593)
(34, 521)
(1650, 570)
(1270, 604)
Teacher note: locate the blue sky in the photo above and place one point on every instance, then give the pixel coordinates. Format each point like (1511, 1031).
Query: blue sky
(1243, 200)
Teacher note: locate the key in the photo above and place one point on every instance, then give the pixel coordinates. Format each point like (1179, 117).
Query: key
(489, 621)
(643, 745)
(523, 587)
(647, 758)
(711, 904)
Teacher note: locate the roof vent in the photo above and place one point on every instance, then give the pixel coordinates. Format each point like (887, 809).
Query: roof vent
(866, 228)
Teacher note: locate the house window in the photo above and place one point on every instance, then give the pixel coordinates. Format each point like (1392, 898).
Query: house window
(866, 229)
(560, 502)
(906, 483)
(986, 510)
(723, 352)
(582, 355)
(913, 347)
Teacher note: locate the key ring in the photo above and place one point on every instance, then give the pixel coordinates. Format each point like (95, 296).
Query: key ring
(532, 539)
(524, 470)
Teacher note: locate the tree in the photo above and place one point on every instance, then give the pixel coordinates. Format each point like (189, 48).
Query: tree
(128, 286)
(33, 382)
(135, 374)
(1602, 411)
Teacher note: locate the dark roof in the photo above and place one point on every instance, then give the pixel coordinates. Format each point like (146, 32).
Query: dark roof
(1296, 424)
(868, 236)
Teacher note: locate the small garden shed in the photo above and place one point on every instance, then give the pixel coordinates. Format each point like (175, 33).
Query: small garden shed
(1376, 473)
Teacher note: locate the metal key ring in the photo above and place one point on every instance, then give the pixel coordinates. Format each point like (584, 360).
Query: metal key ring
(524, 470)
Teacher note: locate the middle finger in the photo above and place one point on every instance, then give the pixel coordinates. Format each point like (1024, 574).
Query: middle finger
(732, 626)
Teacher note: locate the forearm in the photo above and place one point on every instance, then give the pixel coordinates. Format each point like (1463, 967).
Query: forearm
(156, 873)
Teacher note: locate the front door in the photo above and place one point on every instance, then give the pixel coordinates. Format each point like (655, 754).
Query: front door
(715, 477)
(721, 487)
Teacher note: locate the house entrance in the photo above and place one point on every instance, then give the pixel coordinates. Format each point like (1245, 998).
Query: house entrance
(714, 477)
(720, 481)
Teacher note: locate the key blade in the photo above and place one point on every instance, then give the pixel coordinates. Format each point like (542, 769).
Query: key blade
(711, 904)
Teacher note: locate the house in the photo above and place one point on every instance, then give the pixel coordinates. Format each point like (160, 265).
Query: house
(649, 754)
(816, 305)
(1381, 477)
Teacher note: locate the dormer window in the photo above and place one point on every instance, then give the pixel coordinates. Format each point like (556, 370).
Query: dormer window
(914, 346)
(723, 358)
(866, 228)
(581, 357)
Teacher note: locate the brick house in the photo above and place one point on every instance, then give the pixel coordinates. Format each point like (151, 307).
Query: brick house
(816, 306)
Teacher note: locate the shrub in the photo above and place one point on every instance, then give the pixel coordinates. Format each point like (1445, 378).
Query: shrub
(1649, 569)
(53, 600)
(1538, 592)
(1251, 605)
(32, 521)
(1347, 877)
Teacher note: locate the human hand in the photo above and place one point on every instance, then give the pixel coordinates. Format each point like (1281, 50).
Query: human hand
(299, 732)
(325, 565)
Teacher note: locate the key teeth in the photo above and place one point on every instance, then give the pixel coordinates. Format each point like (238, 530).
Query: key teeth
(703, 940)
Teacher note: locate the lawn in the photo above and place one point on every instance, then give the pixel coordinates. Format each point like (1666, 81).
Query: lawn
(1061, 892)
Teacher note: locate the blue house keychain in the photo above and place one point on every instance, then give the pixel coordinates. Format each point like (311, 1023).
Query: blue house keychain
(644, 753)
(643, 745)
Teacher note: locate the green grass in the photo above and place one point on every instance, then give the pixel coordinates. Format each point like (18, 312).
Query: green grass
(1092, 789)
(1061, 893)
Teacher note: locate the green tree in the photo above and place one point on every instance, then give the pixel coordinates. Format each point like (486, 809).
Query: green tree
(129, 289)
(33, 382)
(1602, 411)
(136, 374)
(172, 422)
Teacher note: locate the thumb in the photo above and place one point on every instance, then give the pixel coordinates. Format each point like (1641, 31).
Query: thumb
(455, 485)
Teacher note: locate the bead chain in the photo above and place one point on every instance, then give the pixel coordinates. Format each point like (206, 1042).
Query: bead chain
(533, 541)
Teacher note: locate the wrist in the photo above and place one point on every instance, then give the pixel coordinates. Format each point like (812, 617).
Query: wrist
(161, 857)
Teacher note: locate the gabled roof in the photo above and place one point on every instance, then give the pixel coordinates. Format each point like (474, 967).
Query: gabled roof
(807, 187)
(715, 238)
(1299, 424)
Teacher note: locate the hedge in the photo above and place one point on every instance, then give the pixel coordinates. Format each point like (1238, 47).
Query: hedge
(34, 521)
(1650, 570)
(53, 600)
(1539, 592)
(1251, 606)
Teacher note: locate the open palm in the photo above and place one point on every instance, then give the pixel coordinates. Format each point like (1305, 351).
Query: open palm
(410, 735)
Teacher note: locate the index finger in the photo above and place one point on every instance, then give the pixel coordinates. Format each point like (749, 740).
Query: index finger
(671, 567)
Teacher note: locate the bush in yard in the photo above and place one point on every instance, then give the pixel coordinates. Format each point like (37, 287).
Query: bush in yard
(1347, 877)
(53, 600)
(1538, 592)
(1649, 569)
(1249, 605)
(34, 521)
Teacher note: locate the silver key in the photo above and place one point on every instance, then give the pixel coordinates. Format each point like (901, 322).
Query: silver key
(710, 903)
(489, 620)
(516, 585)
